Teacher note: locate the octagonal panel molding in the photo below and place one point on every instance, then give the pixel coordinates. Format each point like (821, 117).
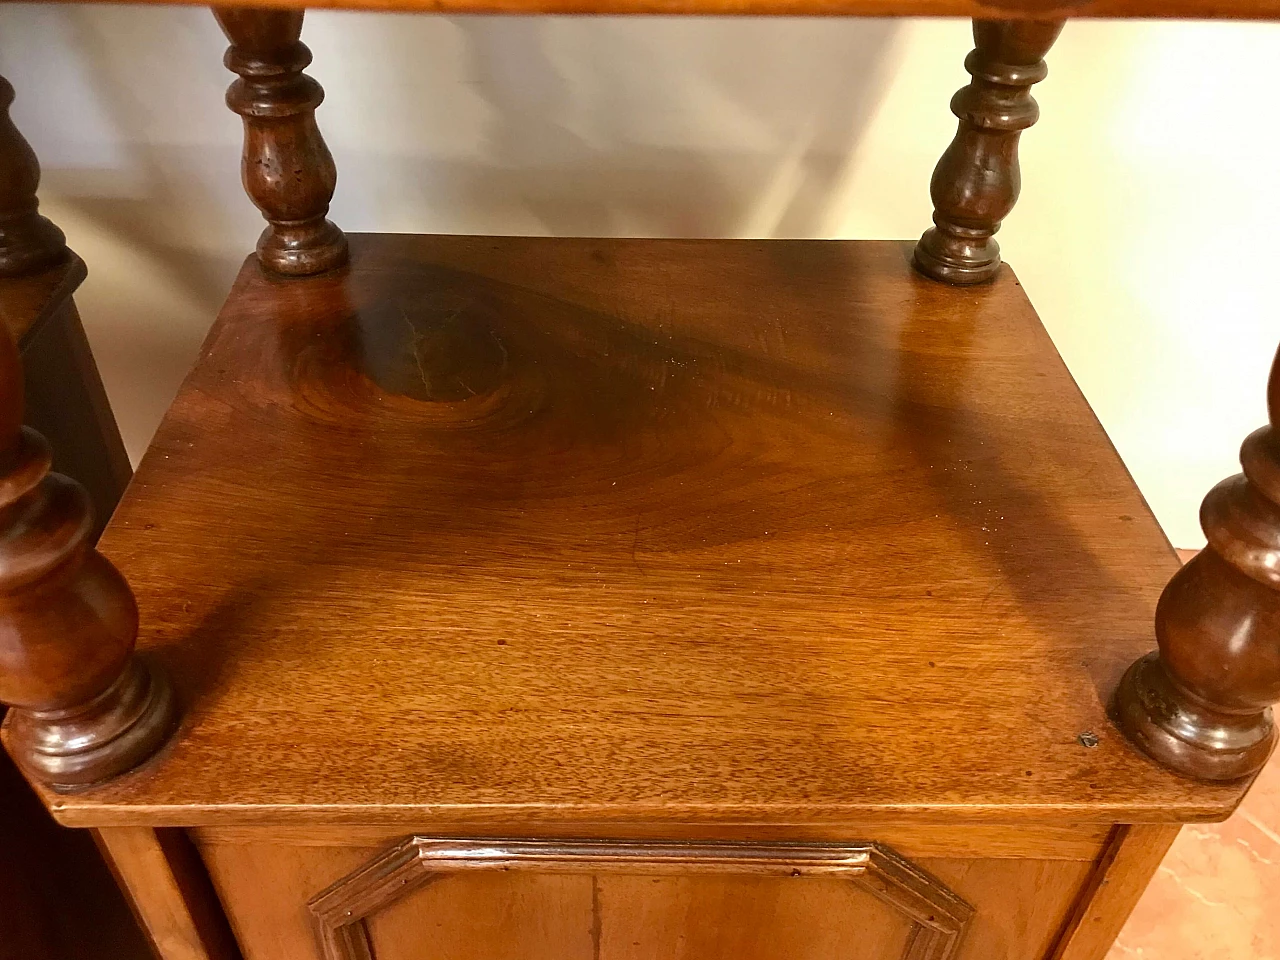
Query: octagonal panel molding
(938, 916)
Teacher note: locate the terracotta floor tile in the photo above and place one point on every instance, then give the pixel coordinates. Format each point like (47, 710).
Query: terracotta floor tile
(1262, 805)
(1217, 894)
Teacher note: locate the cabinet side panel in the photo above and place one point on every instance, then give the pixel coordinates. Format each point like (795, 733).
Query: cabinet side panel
(168, 887)
(264, 888)
(1021, 905)
(1123, 871)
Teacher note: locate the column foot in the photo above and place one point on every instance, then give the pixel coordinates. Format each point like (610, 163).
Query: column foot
(956, 259)
(76, 747)
(1188, 737)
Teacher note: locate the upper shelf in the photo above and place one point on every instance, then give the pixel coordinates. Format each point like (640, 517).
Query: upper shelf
(498, 529)
(1002, 10)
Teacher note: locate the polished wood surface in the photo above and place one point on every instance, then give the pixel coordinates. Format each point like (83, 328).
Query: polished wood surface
(771, 592)
(979, 841)
(745, 532)
(1126, 866)
(28, 241)
(57, 899)
(1020, 906)
(1202, 705)
(287, 170)
(169, 888)
(1054, 901)
(976, 183)
(994, 10)
(626, 915)
(928, 919)
(84, 707)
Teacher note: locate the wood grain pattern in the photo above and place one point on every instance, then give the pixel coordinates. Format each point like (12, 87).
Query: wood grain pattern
(264, 889)
(938, 916)
(537, 916)
(749, 532)
(533, 916)
(1021, 906)
(1080, 841)
(170, 892)
(995, 9)
(1123, 872)
(729, 917)
(1202, 704)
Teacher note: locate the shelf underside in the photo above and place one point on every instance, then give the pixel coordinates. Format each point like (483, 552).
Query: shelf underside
(988, 10)
(731, 531)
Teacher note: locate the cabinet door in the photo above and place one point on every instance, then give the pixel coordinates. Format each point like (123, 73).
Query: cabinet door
(424, 899)
(536, 900)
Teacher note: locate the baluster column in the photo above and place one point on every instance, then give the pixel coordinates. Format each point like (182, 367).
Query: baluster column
(84, 709)
(28, 241)
(1201, 705)
(287, 170)
(976, 183)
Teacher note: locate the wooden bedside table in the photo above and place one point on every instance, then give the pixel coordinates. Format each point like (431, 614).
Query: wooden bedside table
(552, 598)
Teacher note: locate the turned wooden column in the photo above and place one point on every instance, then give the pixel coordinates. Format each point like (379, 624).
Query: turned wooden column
(976, 183)
(1202, 704)
(84, 708)
(287, 170)
(28, 241)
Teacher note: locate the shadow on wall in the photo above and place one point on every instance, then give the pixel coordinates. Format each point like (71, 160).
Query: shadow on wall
(588, 126)
(656, 127)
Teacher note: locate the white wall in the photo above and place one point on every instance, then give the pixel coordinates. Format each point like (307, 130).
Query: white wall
(1149, 186)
